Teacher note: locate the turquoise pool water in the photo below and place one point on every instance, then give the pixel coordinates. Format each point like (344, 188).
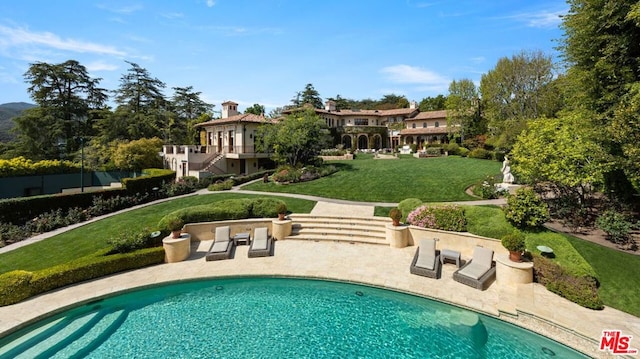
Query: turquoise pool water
(274, 318)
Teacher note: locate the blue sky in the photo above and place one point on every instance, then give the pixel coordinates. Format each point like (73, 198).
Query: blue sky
(252, 51)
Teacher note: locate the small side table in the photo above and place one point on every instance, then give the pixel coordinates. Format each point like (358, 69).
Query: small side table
(242, 238)
(448, 254)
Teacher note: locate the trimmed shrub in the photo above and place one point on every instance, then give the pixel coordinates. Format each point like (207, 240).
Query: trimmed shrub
(480, 153)
(239, 208)
(452, 148)
(488, 190)
(446, 218)
(525, 209)
(129, 241)
(514, 241)
(265, 207)
(408, 205)
(14, 287)
(221, 186)
(18, 285)
(463, 151)
(580, 290)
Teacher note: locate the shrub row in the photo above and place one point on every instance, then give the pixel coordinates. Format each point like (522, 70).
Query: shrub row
(446, 218)
(221, 186)
(18, 285)
(20, 166)
(145, 184)
(240, 208)
(289, 174)
(580, 290)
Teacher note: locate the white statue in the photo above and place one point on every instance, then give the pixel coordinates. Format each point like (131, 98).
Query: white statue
(507, 177)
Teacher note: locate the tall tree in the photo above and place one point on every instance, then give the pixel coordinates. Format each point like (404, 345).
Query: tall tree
(295, 140)
(392, 101)
(601, 48)
(463, 111)
(307, 96)
(141, 101)
(187, 107)
(433, 103)
(138, 154)
(514, 92)
(66, 95)
(256, 109)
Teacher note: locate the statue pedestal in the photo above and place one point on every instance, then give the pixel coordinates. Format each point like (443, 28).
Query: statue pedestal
(281, 229)
(397, 235)
(177, 249)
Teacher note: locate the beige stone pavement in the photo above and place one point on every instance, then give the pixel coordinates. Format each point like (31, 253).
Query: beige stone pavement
(530, 306)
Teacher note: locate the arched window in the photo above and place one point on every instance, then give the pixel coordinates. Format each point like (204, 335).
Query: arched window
(437, 124)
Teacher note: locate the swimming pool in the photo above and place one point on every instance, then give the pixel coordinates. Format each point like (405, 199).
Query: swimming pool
(274, 318)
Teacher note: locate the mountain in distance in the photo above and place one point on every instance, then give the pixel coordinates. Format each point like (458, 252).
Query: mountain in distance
(7, 112)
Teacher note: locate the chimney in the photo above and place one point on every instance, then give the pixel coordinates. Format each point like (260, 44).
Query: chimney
(413, 105)
(330, 105)
(229, 108)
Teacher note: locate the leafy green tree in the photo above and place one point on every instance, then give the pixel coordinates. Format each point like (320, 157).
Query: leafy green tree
(295, 140)
(391, 101)
(513, 93)
(341, 102)
(276, 113)
(138, 154)
(141, 103)
(433, 103)
(66, 96)
(563, 154)
(187, 106)
(602, 51)
(256, 109)
(308, 96)
(463, 109)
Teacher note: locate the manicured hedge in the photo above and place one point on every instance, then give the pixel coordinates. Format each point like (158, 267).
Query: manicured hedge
(18, 285)
(239, 208)
(144, 184)
(445, 217)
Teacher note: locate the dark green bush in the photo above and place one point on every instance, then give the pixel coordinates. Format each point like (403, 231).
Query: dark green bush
(525, 209)
(18, 285)
(514, 241)
(463, 151)
(580, 290)
(446, 218)
(145, 183)
(221, 186)
(129, 241)
(452, 148)
(265, 207)
(480, 153)
(488, 190)
(616, 225)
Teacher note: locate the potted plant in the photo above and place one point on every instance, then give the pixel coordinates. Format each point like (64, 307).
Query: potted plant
(281, 210)
(175, 226)
(396, 215)
(514, 243)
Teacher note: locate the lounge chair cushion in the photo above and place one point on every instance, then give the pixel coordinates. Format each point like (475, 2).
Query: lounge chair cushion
(482, 257)
(260, 236)
(222, 234)
(474, 270)
(426, 254)
(219, 246)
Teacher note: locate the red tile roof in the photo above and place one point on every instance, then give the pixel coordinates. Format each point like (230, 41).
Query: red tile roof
(245, 117)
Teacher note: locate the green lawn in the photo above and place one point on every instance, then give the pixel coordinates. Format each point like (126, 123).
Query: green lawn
(366, 179)
(94, 236)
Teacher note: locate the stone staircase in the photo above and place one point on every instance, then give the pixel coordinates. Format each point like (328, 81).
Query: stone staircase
(369, 230)
(211, 167)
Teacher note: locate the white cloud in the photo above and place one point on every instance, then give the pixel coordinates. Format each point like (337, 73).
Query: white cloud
(13, 37)
(413, 75)
(542, 19)
(101, 66)
(210, 3)
(126, 10)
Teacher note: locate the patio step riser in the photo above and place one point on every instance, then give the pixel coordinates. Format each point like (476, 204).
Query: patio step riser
(342, 229)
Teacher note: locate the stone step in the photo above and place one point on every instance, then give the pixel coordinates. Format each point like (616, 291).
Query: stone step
(338, 238)
(332, 227)
(338, 231)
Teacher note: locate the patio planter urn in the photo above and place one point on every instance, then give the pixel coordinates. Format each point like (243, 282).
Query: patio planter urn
(281, 209)
(515, 244)
(396, 215)
(175, 226)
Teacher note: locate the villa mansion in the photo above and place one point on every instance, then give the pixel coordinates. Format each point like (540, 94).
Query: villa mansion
(228, 143)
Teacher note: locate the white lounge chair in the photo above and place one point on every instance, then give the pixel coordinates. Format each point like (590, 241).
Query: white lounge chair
(480, 271)
(221, 246)
(426, 261)
(261, 244)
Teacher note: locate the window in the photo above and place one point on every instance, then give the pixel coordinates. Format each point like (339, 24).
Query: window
(413, 125)
(437, 124)
(361, 122)
(424, 125)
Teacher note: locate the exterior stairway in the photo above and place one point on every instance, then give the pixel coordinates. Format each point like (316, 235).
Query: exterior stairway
(369, 230)
(211, 167)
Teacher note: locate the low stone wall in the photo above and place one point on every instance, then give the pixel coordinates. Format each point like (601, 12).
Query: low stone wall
(458, 241)
(348, 156)
(203, 231)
